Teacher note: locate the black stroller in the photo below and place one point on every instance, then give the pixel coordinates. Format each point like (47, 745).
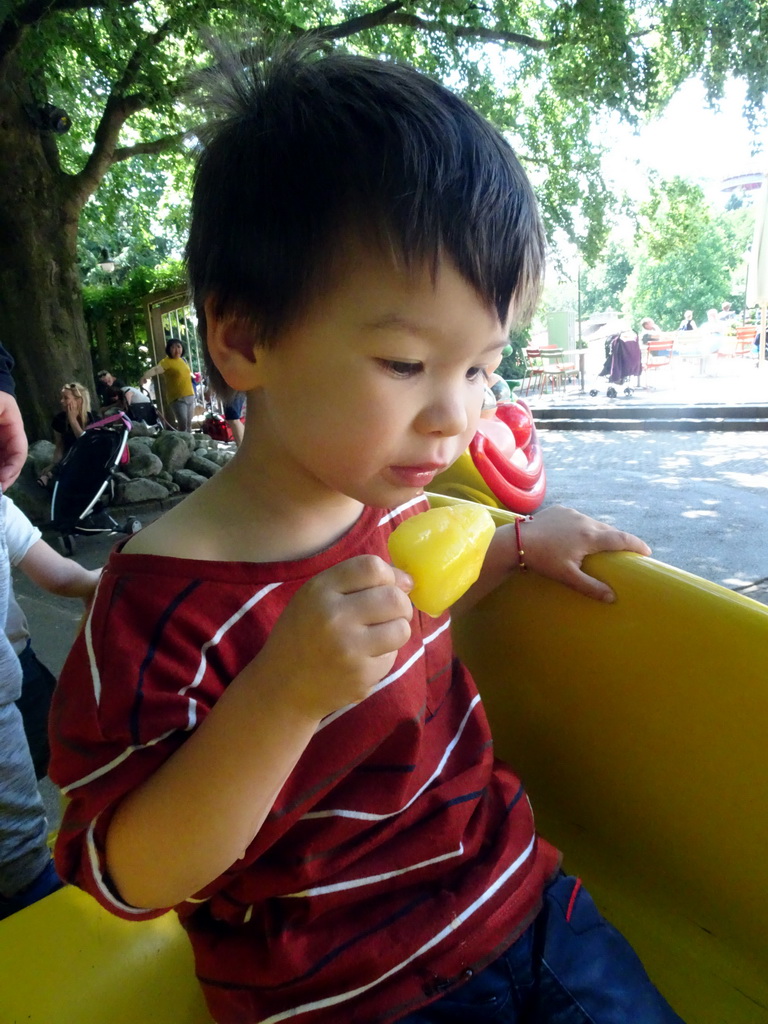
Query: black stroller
(85, 483)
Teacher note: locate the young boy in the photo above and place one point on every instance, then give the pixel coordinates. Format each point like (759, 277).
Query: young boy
(256, 727)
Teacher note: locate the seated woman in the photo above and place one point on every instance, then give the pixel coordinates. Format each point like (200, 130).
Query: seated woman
(68, 425)
(178, 383)
(650, 330)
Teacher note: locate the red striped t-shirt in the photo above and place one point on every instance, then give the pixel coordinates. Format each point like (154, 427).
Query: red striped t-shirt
(398, 855)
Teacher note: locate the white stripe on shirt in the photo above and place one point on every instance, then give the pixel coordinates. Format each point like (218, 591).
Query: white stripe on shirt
(395, 512)
(357, 883)
(387, 680)
(340, 812)
(342, 997)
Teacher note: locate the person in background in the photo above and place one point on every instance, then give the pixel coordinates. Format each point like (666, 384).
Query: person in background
(650, 330)
(108, 389)
(68, 425)
(687, 323)
(179, 389)
(233, 414)
(726, 314)
(26, 874)
(137, 405)
(26, 869)
(13, 439)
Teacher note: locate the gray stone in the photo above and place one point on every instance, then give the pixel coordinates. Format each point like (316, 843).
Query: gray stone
(143, 464)
(172, 447)
(140, 444)
(198, 464)
(33, 500)
(41, 455)
(139, 429)
(221, 458)
(187, 480)
(189, 438)
(142, 489)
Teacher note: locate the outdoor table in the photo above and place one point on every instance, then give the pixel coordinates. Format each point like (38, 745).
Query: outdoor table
(578, 354)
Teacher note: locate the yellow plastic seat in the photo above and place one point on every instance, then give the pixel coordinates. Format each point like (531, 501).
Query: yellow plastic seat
(65, 960)
(640, 735)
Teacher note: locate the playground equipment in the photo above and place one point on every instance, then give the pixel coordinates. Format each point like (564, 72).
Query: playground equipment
(503, 465)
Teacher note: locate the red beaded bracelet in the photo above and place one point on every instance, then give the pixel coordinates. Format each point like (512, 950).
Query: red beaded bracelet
(520, 552)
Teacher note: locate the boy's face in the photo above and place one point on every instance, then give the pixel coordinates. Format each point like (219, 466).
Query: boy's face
(379, 385)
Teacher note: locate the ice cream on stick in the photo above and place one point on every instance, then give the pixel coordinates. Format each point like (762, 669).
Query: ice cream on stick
(443, 550)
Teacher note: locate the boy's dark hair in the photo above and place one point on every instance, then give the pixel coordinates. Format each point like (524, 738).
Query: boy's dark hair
(308, 150)
(174, 341)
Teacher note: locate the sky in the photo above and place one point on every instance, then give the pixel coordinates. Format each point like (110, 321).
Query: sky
(690, 140)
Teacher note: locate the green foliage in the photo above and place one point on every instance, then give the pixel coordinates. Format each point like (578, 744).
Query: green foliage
(116, 319)
(540, 70)
(513, 364)
(687, 254)
(602, 286)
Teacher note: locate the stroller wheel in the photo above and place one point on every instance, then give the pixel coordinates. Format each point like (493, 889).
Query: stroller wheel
(628, 392)
(593, 393)
(132, 525)
(612, 393)
(66, 544)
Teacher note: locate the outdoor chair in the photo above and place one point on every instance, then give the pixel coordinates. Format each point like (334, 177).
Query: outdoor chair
(739, 346)
(534, 368)
(658, 354)
(556, 371)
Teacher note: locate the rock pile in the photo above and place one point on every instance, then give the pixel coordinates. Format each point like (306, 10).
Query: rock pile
(161, 465)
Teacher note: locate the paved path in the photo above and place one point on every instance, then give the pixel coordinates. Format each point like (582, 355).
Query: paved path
(698, 499)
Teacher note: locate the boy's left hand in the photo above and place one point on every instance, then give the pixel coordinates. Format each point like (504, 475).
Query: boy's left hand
(557, 540)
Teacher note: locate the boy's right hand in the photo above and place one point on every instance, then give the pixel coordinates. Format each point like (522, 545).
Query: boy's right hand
(339, 635)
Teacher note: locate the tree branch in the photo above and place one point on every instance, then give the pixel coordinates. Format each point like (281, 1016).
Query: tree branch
(161, 145)
(392, 14)
(120, 106)
(13, 25)
(117, 110)
(116, 113)
(133, 64)
(353, 25)
(468, 32)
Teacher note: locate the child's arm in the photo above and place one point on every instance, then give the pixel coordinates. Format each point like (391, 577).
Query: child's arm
(58, 575)
(555, 543)
(197, 815)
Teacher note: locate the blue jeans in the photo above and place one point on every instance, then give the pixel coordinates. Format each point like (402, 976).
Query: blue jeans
(569, 967)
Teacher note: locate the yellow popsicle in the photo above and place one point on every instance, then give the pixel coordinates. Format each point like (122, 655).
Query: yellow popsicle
(443, 549)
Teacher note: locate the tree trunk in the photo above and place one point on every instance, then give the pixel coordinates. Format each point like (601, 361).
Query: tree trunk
(41, 313)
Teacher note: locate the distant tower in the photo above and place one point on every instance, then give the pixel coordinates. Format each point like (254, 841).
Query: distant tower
(742, 182)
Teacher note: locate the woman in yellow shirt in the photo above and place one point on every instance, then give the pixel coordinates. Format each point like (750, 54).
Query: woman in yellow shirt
(178, 383)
